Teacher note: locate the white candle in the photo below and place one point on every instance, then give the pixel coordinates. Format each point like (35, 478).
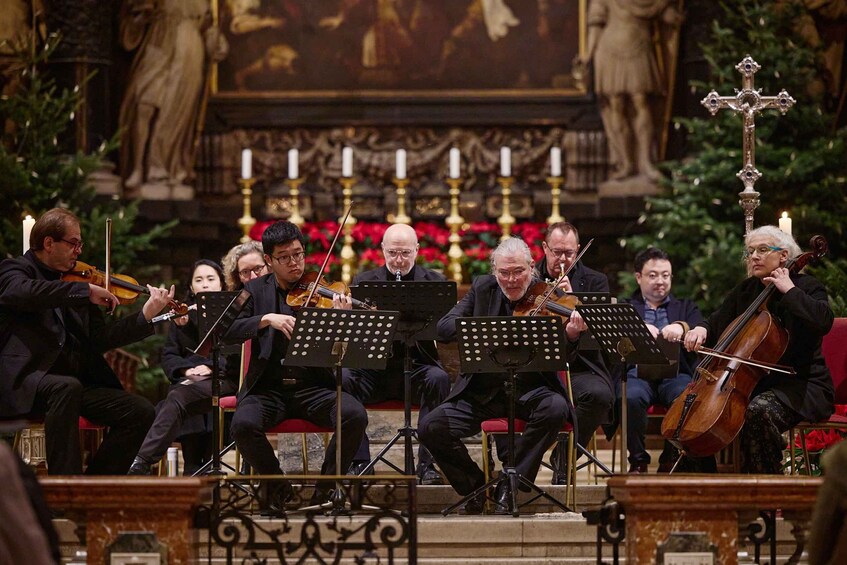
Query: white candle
(505, 162)
(555, 162)
(246, 164)
(347, 162)
(29, 221)
(293, 163)
(785, 223)
(401, 163)
(454, 163)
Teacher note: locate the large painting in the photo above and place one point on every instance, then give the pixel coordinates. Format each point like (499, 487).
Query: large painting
(353, 48)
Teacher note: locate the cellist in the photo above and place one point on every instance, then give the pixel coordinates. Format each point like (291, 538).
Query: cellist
(800, 304)
(52, 339)
(271, 392)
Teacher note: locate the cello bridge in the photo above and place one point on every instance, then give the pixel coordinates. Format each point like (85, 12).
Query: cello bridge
(706, 374)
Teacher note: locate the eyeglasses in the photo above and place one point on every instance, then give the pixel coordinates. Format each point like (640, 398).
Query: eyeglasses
(567, 253)
(293, 258)
(653, 277)
(762, 250)
(513, 274)
(77, 245)
(395, 253)
(245, 273)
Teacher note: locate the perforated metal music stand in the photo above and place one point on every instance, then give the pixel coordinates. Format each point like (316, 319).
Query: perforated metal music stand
(511, 345)
(421, 304)
(331, 337)
(215, 313)
(623, 333)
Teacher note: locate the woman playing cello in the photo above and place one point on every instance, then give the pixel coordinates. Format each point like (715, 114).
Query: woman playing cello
(800, 305)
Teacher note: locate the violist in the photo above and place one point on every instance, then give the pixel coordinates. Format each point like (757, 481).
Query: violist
(800, 304)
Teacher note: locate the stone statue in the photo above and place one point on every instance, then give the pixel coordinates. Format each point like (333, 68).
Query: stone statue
(175, 43)
(627, 79)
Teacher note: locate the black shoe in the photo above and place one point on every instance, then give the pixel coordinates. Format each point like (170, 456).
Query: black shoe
(503, 498)
(356, 468)
(429, 475)
(140, 467)
(474, 506)
(560, 476)
(638, 468)
(272, 495)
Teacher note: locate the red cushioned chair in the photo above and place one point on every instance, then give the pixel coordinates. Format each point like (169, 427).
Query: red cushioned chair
(501, 426)
(835, 353)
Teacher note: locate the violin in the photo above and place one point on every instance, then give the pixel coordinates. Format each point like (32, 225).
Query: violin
(709, 413)
(541, 300)
(125, 288)
(321, 297)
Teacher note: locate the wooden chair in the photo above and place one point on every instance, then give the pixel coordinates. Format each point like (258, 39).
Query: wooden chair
(835, 353)
(494, 426)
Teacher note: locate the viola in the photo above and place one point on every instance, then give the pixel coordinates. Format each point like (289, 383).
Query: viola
(320, 297)
(125, 288)
(709, 413)
(541, 299)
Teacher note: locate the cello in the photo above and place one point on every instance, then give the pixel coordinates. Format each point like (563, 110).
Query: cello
(709, 414)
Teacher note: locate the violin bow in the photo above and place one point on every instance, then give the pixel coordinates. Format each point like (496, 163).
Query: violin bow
(555, 284)
(760, 364)
(328, 255)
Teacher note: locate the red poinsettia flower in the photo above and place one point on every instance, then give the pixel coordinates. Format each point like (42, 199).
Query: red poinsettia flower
(370, 259)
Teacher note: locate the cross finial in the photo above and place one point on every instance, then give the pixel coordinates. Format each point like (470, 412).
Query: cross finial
(748, 101)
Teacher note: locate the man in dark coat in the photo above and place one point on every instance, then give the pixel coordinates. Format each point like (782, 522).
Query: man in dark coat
(591, 381)
(668, 318)
(272, 391)
(430, 382)
(540, 397)
(52, 340)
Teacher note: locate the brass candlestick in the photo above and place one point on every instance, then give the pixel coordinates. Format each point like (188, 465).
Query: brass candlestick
(555, 192)
(246, 221)
(348, 257)
(295, 217)
(506, 219)
(454, 221)
(401, 217)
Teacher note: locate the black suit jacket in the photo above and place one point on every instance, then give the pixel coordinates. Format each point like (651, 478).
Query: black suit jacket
(264, 301)
(425, 352)
(33, 329)
(484, 299)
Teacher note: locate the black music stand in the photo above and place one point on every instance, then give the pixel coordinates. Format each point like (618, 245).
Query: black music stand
(331, 337)
(623, 333)
(421, 304)
(511, 345)
(215, 313)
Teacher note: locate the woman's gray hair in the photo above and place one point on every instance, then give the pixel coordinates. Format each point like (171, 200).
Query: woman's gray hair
(230, 262)
(779, 238)
(511, 246)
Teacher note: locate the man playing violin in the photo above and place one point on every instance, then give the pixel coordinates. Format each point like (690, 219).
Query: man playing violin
(51, 351)
(591, 380)
(272, 391)
(800, 304)
(430, 382)
(540, 397)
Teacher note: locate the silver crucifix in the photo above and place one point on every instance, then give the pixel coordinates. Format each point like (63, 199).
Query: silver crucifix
(748, 102)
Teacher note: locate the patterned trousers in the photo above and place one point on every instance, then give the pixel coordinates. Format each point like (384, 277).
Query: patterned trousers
(761, 437)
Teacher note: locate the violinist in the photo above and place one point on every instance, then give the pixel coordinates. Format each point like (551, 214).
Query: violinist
(272, 392)
(800, 304)
(591, 381)
(51, 353)
(540, 397)
(243, 263)
(430, 382)
(183, 412)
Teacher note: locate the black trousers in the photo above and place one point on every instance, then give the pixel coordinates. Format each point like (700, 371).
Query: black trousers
(544, 410)
(62, 399)
(430, 386)
(263, 409)
(182, 401)
(593, 399)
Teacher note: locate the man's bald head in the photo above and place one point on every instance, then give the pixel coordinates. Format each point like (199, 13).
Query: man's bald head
(400, 248)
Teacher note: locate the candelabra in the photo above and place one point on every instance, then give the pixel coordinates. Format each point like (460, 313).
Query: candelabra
(555, 192)
(348, 257)
(246, 221)
(454, 221)
(401, 217)
(295, 217)
(506, 219)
